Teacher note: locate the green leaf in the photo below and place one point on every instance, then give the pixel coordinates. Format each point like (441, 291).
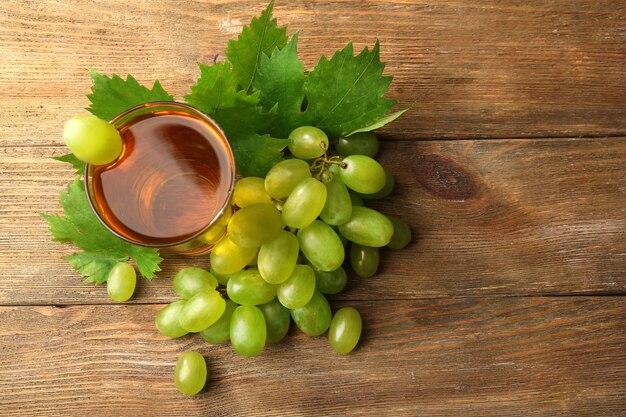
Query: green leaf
(94, 265)
(261, 37)
(347, 92)
(280, 82)
(256, 154)
(379, 123)
(111, 96)
(101, 249)
(79, 166)
(240, 116)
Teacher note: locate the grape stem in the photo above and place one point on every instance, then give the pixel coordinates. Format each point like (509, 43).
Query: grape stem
(321, 165)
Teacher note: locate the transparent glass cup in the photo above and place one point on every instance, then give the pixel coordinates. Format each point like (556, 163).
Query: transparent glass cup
(172, 185)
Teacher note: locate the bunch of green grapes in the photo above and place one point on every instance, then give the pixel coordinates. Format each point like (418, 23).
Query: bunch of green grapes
(284, 250)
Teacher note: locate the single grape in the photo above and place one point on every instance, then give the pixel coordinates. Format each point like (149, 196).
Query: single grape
(307, 142)
(249, 288)
(121, 282)
(330, 282)
(201, 311)
(364, 260)
(254, 225)
(191, 280)
(390, 183)
(227, 257)
(304, 204)
(92, 140)
(284, 176)
(367, 227)
(219, 332)
(166, 320)
(190, 373)
(362, 143)
(298, 289)
(362, 174)
(338, 207)
(278, 258)
(250, 190)
(321, 246)
(248, 331)
(314, 318)
(277, 320)
(401, 233)
(345, 330)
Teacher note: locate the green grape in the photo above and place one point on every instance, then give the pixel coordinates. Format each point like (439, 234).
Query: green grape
(304, 204)
(367, 227)
(314, 318)
(255, 260)
(190, 373)
(278, 257)
(277, 320)
(227, 257)
(92, 140)
(189, 281)
(121, 282)
(284, 176)
(390, 183)
(219, 332)
(222, 279)
(401, 233)
(298, 289)
(345, 330)
(330, 282)
(362, 174)
(249, 288)
(362, 143)
(250, 190)
(364, 260)
(321, 246)
(201, 311)
(254, 225)
(307, 142)
(356, 200)
(248, 331)
(338, 207)
(166, 320)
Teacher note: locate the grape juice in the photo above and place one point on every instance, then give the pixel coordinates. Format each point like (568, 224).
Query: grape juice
(172, 179)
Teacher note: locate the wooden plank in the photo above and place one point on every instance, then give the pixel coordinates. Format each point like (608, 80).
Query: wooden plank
(482, 70)
(470, 357)
(509, 217)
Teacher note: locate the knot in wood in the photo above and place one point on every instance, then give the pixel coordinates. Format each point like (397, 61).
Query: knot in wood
(445, 178)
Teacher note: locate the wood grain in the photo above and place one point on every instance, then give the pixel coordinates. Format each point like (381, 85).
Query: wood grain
(489, 69)
(469, 357)
(509, 217)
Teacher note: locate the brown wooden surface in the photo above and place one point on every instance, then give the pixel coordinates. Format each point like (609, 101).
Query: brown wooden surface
(511, 169)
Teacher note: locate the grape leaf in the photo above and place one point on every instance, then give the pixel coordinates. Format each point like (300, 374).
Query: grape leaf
(347, 92)
(280, 82)
(379, 123)
(79, 166)
(239, 115)
(255, 40)
(101, 249)
(256, 154)
(111, 96)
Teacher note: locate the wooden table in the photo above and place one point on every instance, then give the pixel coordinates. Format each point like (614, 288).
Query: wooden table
(511, 169)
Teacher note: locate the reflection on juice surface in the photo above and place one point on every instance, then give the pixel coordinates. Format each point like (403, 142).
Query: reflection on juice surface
(170, 182)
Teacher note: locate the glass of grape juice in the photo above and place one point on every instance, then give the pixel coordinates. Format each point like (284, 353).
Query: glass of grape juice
(171, 187)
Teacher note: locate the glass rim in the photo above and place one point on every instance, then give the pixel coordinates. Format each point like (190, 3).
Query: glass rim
(201, 115)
